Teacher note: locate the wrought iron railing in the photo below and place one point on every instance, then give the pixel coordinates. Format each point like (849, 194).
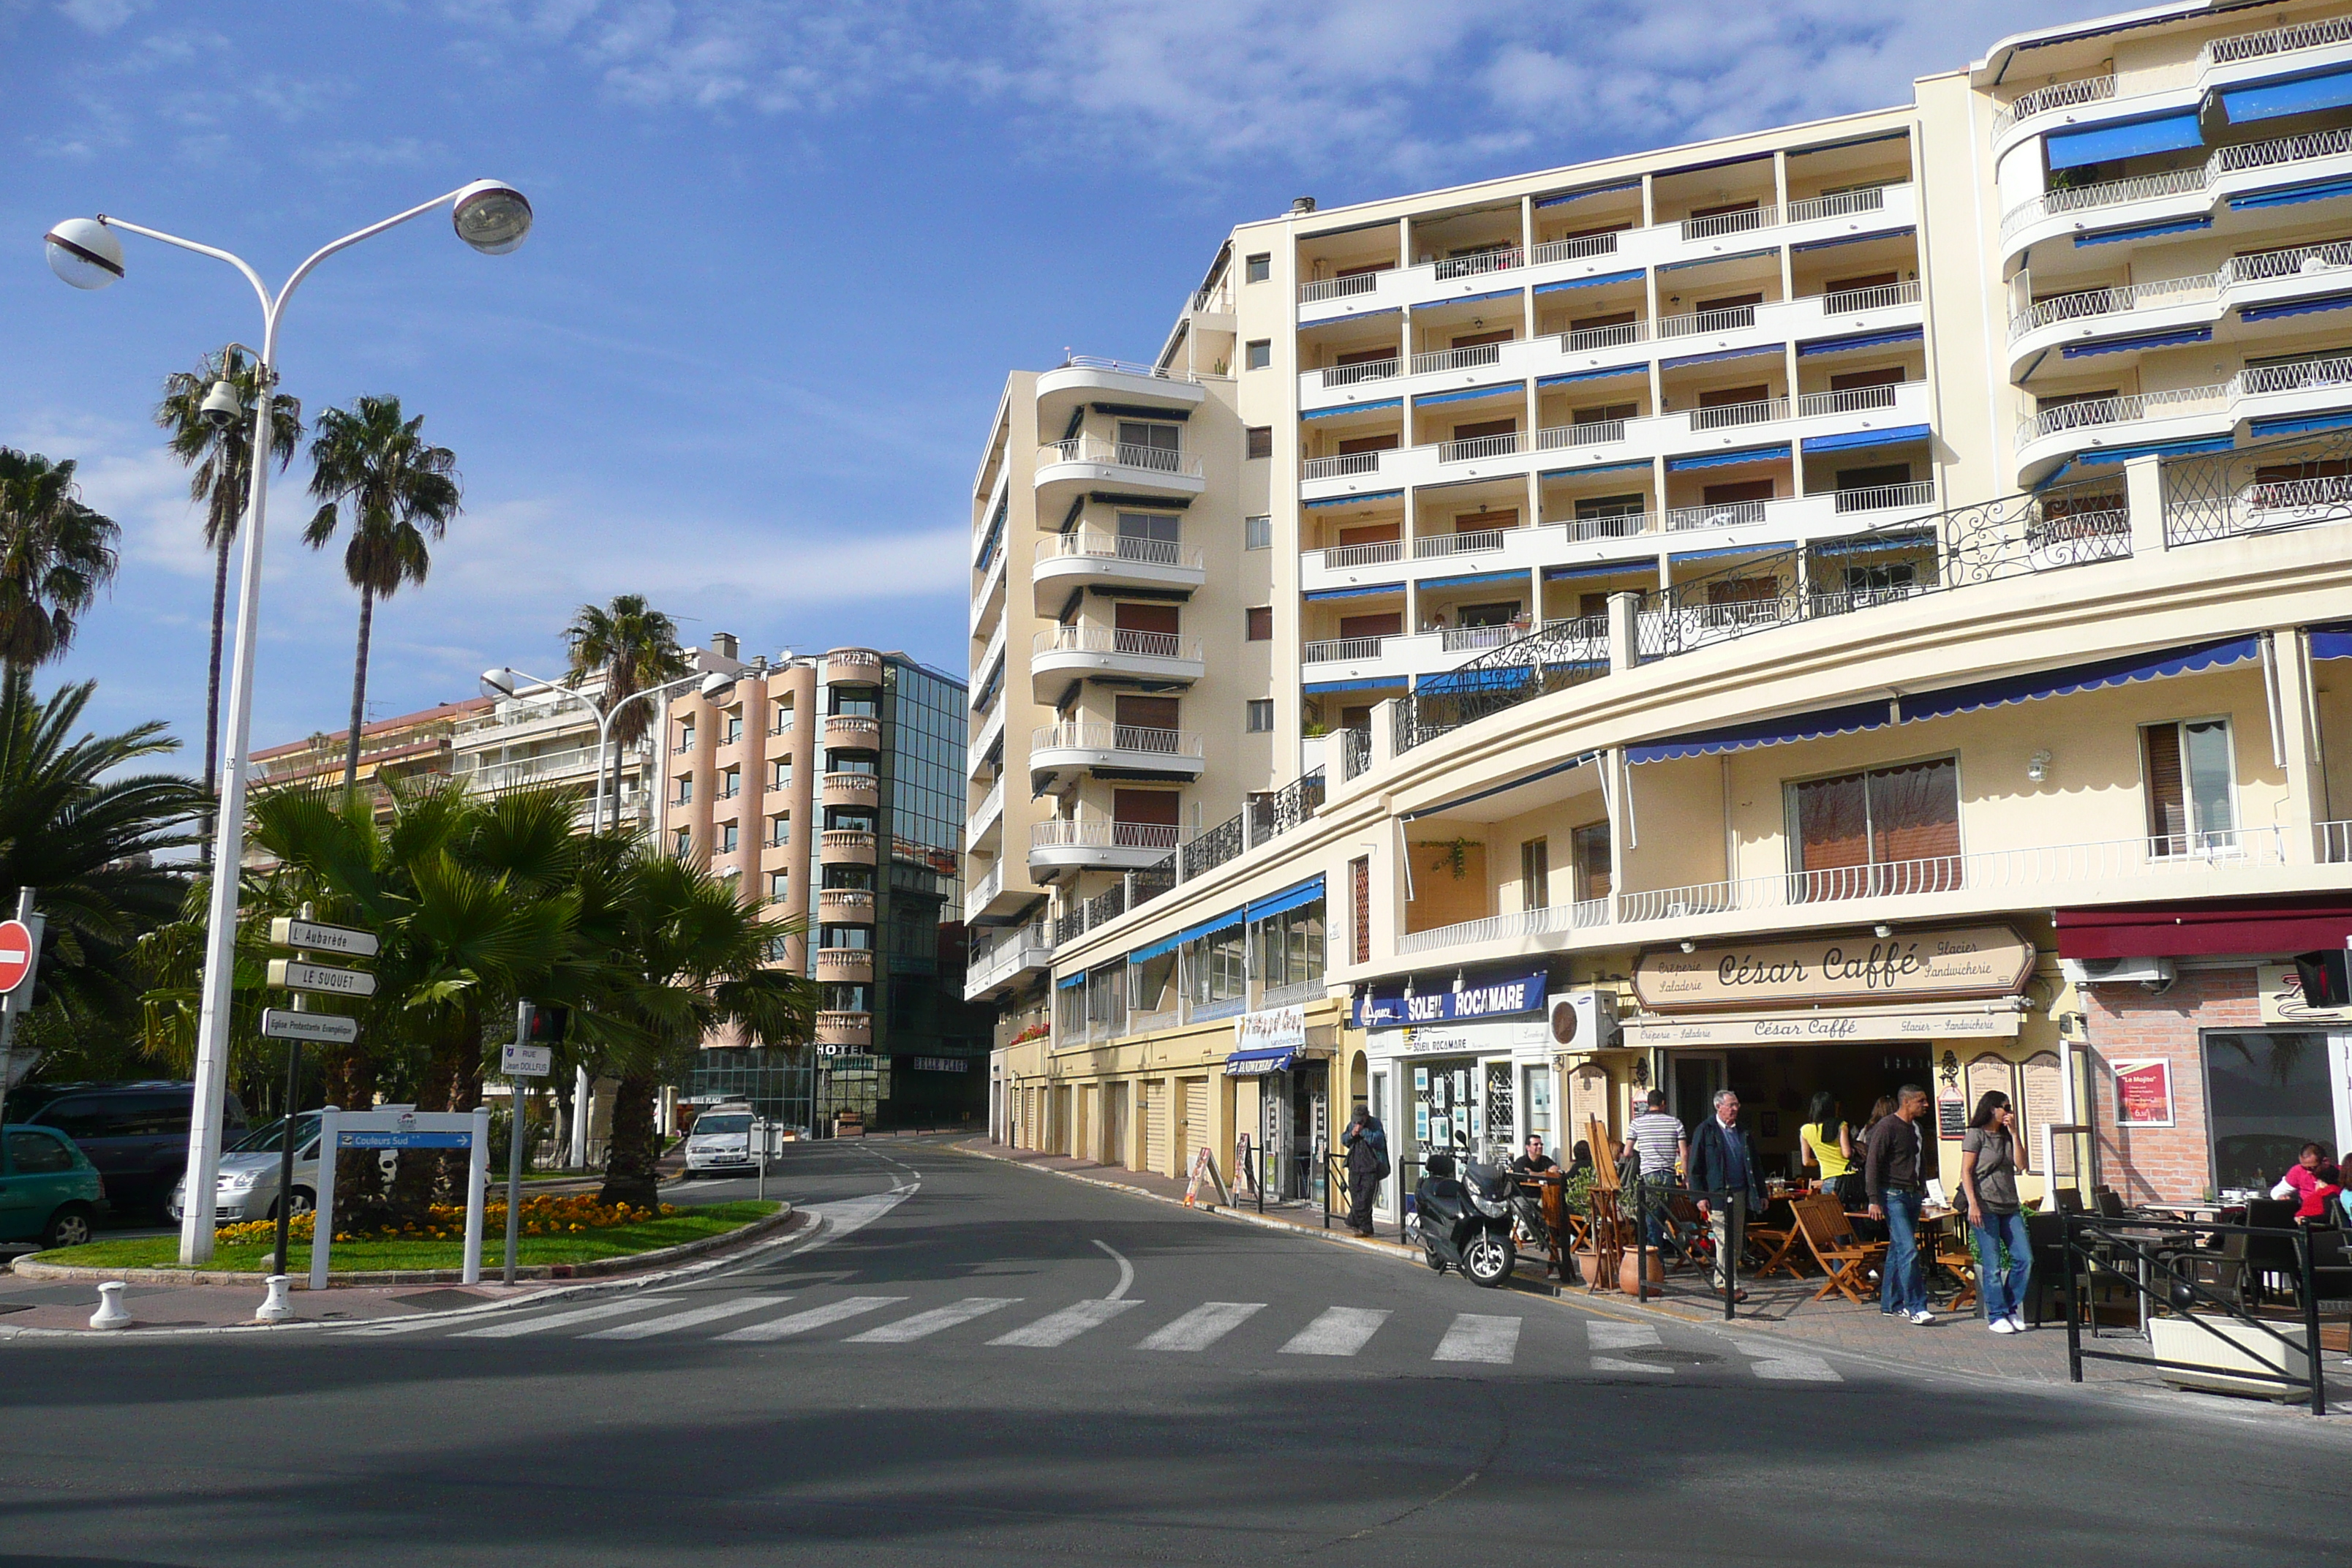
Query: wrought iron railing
(1213, 848)
(1278, 811)
(2292, 483)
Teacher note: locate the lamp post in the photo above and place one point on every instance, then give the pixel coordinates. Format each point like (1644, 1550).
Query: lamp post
(509, 683)
(493, 218)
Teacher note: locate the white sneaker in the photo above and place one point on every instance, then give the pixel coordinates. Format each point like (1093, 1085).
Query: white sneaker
(2002, 1326)
(2018, 1325)
(1923, 1317)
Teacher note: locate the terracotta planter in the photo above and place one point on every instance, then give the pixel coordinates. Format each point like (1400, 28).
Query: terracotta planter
(1629, 1275)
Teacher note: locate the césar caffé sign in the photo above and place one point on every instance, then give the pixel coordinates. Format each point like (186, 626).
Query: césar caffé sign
(1837, 969)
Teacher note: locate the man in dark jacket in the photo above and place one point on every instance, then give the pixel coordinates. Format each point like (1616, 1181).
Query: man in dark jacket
(1895, 1165)
(1368, 1166)
(1722, 1161)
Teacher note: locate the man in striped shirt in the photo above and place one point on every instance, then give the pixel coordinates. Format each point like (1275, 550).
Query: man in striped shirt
(1658, 1139)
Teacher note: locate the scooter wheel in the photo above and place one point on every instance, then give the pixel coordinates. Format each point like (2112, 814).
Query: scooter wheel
(1489, 1261)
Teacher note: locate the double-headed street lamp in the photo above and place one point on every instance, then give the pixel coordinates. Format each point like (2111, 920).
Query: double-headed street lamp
(492, 217)
(510, 683)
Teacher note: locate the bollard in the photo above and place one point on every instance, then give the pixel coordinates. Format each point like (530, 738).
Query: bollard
(275, 1307)
(110, 1313)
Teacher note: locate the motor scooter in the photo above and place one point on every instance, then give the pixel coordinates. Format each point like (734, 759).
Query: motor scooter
(1464, 1224)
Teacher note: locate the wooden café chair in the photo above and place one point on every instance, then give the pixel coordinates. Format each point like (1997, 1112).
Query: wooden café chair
(1844, 1258)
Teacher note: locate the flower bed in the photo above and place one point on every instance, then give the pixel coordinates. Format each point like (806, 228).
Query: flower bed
(570, 1215)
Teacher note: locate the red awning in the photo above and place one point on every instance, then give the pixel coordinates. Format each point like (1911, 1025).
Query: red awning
(2211, 925)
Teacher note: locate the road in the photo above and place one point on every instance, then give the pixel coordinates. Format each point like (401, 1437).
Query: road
(983, 1365)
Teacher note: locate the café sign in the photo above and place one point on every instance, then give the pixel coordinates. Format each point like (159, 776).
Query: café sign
(1956, 964)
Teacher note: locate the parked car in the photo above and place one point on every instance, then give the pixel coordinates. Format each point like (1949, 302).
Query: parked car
(50, 1192)
(249, 1168)
(136, 1134)
(719, 1140)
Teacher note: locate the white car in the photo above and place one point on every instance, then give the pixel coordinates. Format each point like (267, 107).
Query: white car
(720, 1140)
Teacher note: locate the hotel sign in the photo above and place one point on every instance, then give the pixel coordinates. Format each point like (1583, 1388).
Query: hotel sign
(1837, 970)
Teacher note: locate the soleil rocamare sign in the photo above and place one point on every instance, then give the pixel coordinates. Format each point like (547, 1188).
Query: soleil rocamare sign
(1929, 966)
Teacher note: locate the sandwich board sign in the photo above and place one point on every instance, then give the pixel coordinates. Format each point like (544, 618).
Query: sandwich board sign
(397, 1127)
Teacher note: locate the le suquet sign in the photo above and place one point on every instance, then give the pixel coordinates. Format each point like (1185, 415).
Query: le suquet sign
(1837, 970)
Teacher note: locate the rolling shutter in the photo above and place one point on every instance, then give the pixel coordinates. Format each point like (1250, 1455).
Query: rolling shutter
(1155, 1125)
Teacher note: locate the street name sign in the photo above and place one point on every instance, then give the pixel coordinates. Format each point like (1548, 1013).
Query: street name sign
(526, 1061)
(309, 936)
(17, 950)
(326, 1028)
(293, 974)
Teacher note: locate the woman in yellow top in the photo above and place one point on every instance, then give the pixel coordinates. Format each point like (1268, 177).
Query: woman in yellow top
(1829, 1145)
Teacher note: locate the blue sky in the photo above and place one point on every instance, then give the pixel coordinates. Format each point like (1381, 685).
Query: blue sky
(785, 255)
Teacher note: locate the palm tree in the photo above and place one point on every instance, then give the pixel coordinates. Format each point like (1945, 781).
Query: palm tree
(634, 647)
(401, 493)
(55, 553)
(222, 457)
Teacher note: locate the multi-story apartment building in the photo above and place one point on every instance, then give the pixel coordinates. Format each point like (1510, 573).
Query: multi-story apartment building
(831, 786)
(414, 745)
(1851, 604)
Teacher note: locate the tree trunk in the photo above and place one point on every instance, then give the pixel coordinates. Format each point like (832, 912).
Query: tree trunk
(359, 694)
(212, 679)
(349, 1082)
(631, 1173)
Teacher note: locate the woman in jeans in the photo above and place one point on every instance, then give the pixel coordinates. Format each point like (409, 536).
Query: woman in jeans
(1989, 1177)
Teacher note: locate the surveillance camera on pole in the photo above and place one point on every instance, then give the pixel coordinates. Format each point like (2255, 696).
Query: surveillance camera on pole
(221, 407)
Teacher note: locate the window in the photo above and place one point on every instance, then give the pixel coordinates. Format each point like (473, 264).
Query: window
(2270, 1095)
(1261, 441)
(1257, 533)
(1215, 966)
(728, 840)
(781, 720)
(2187, 770)
(730, 784)
(685, 736)
(780, 885)
(1359, 908)
(779, 774)
(1258, 269)
(1148, 445)
(1259, 623)
(684, 844)
(1260, 353)
(1534, 874)
(1590, 862)
(1290, 946)
(1887, 831)
(685, 795)
(731, 730)
(38, 1154)
(1260, 715)
(780, 829)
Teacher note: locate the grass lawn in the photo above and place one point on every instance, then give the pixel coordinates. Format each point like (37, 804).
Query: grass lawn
(353, 1257)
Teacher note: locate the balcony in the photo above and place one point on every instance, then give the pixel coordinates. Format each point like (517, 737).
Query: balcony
(2158, 305)
(2239, 57)
(1060, 843)
(845, 906)
(996, 894)
(853, 666)
(845, 1029)
(1068, 651)
(1068, 561)
(2187, 193)
(1086, 378)
(852, 732)
(984, 740)
(1017, 955)
(846, 846)
(2052, 435)
(1065, 469)
(845, 963)
(1128, 750)
(861, 790)
(983, 820)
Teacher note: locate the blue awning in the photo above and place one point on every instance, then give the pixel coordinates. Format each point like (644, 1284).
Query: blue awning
(1461, 683)
(1601, 569)
(1378, 682)
(1352, 501)
(1725, 459)
(1903, 233)
(2132, 139)
(2156, 449)
(1289, 898)
(2310, 306)
(1682, 555)
(2139, 341)
(1469, 299)
(1319, 594)
(1642, 464)
(1853, 440)
(1431, 399)
(1595, 281)
(1263, 1062)
(1718, 260)
(1382, 407)
(1362, 315)
(1843, 720)
(2317, 191)
(1492, 790)
(2144, 231)
(1472, 579)
(1073, 982)
(1870, 543)
(2277, 99)
(1861, 340)
(2005, 689)
(2331, 641)
(1721, 354)
(1563, 198)
(1614, 373)
(2299, 424)
(1168, 944)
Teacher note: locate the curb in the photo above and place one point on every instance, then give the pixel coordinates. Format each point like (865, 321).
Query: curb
(31, 1268)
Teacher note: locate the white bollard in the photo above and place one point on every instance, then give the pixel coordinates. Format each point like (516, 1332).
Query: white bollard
(275, 1307)
(110, 1313)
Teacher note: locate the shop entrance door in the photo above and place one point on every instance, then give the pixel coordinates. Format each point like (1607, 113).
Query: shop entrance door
(1310, 1121)
(1697, 1076)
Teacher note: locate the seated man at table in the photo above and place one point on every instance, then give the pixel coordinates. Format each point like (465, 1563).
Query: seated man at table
(1723, 1161)
(1534, 1162)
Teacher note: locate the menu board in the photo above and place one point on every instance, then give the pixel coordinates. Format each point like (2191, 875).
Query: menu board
(2143, 1093)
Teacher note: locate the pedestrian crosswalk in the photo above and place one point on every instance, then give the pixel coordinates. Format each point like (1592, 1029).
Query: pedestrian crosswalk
(1605, 1347)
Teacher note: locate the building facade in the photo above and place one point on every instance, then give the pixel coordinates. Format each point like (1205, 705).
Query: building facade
(1846, 606)
(423, 744)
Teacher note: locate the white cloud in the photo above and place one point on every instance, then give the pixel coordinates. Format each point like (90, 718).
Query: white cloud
(100, 16)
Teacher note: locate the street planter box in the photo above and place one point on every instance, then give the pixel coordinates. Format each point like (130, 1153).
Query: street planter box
(2223, 1346)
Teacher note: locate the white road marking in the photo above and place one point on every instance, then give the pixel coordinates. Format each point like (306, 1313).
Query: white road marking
(1778, 1363)
(814, 1318)
(565, 1319)
(1606, 1336)
(688, 1318)
(850, 1216)
(1201, 1326)
(1125, 1273)
(1060, 1328)
(922, 1325)
(1473, 1337)
(1340, 1331)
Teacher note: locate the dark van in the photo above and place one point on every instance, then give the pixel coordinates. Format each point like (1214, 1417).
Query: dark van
(135, 1134)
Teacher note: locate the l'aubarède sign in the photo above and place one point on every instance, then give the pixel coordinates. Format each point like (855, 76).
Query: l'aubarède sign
(1837, 969)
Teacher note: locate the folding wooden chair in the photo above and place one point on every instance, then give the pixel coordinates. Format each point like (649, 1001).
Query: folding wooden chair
(1778, 1248)
(1952, 1253)
(1844, 1256)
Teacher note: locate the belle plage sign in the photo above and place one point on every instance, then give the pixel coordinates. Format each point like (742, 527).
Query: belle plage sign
(1837, 970)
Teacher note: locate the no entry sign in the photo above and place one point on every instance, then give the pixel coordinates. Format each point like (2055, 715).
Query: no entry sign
(17, 954)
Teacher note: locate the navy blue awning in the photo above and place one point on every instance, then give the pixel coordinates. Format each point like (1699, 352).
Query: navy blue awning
(1871, 543)
(1073, 982)
(2132, 139)
(1853, 441)
(1561, 198)
(2005, 689)
(1680, 557)
(1642, 464)
(1718, 260)
(1461, 683)
(2277, 99)
(2156, 449)
(1614, 373)
(1317, 594)
(1721, 354)
(1725, 459)
(2136, 341)
(2317, 191)
(1903, 233)
(1861, 340)
(2145, 230)
(1472, 579)
(2331, 641)
(2308, 307)
(1260, 1063)
(1470, 299)
(1352, 501)
(2299, 424)
(1601, 569)
(1378, 682)
(1382, 407)
(1595, 281)
(1843, 721)
(1430, 399)
(1289, 898)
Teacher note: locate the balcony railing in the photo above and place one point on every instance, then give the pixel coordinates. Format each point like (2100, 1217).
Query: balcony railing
(1116, 640)
(1584, 340)
(1878, 497)
(2335, 845)
(1501, 927)
(1211, 848)
(2247, 155)
(1091, 546)
(1082, 736)
(1379, 554)
(1339, 650)
(1722, 514)
(1691, 324)
(1338, 288)
(1878, 297)
(1341, 466)
(2259, 268)
(991, 884)
(1125, 454)
(2254, 381)
(1731, 415)
(1500, 258)
(1128, 367)
(1476, 355)
(1093, 833)
(1623, 525)
(1477, 448)
(1843, 204)
(1576, 250)
(2057, 95)
(1467, 543)
(1470, 640)
(2278, 40)
(1356, 374)
(1849, 400)
(1583, 433)
(1763, 216)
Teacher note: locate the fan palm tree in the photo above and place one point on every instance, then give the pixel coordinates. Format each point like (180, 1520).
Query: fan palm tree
(400, 493)
(55, 553)
(634, 647)
(222, 457)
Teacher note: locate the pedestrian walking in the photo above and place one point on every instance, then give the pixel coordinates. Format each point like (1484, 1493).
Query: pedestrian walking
(1655, 1140)
(1989, 1177)
(1895, 1168)
(1722, 1162)
(1367, 1144)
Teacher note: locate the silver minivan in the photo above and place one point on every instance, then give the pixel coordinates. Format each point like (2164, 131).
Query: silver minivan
(248, 1189)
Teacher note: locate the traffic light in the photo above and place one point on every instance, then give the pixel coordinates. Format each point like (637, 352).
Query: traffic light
(2325, 978)
(545, 1025)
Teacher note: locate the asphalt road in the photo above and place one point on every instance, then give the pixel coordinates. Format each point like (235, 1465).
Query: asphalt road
(985, 1364)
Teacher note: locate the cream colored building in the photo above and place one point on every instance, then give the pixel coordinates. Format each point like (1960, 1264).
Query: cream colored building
(1856, 604)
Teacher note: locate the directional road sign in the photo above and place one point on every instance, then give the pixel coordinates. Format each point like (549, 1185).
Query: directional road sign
(293, 974)
(326, 1028)
(311, 937)
(526, 1061)
(18, 952)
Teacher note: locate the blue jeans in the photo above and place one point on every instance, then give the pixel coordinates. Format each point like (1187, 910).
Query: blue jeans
(2004, 1289)
(1903, 1285)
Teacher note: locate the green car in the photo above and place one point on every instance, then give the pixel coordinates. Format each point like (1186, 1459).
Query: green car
(49, 1191)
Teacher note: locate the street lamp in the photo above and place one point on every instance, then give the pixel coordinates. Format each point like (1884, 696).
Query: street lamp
(488, 215)
(509, 683)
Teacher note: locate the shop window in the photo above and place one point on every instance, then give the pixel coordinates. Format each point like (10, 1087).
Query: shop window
(2188, 772)
(1259, 353)
(1215, 967)
(1106, 992)
(1591, 862)
(1534, 874)
(1887, 832)
(2271, 1095)
(1260, 441)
